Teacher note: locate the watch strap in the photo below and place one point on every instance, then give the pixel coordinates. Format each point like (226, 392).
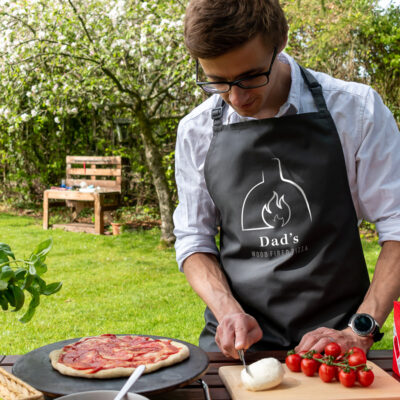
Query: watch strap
(377, 335)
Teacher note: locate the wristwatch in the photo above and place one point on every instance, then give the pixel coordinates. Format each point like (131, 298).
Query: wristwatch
(365, 325)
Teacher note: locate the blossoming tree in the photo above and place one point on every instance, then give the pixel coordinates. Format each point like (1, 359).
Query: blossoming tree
(59, 54)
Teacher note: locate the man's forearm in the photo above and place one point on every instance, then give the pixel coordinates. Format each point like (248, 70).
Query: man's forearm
(385, 285)
(207, 279)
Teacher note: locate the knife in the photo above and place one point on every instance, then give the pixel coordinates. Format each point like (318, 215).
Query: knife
(241, 356)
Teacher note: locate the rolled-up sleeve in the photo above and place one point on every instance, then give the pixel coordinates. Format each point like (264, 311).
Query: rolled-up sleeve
(196, 218)
(378, 168)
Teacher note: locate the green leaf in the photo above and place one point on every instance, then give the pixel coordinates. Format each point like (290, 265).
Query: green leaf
(28, 282)
(40, 266)
(3, 257)
(9, 294)
(5, 253)
(28, 315)
(35, 301)
(52, 288)
(32, 270)
(43, 248)
(7, 273)
(39, 284)
(19, 297)
(3, 302)
(3, 285)
(20, 274)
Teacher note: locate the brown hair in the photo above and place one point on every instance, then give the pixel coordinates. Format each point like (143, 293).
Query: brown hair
(214, 27)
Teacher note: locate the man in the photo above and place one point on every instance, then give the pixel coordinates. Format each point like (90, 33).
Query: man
(285, 161)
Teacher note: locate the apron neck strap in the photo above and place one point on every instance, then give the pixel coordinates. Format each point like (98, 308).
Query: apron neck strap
(315, 89)
(216, 114)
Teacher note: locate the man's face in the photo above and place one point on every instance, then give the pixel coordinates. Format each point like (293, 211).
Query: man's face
(251, 58)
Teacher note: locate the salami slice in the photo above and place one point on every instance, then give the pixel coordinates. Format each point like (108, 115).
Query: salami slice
(110, 356)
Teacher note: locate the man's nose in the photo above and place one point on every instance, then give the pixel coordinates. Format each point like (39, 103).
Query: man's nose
(238, 96)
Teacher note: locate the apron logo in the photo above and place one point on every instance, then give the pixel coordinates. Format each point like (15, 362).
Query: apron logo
(275, 212)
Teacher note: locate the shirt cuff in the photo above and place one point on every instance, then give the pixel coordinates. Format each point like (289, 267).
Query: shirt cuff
(191, 244)
(388, 230)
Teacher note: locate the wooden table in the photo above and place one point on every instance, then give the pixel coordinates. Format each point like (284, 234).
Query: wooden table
(383, 358)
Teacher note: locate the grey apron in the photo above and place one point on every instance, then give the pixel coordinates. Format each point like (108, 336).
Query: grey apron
(289, 241)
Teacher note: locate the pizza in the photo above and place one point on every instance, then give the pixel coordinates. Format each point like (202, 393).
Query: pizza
(110, 356)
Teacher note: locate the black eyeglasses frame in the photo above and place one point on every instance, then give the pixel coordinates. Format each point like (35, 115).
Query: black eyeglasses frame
(236, 82)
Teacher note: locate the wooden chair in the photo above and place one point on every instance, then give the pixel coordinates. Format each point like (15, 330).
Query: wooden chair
(104, 173)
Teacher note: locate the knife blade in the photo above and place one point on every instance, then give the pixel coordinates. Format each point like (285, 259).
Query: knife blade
(241, 356)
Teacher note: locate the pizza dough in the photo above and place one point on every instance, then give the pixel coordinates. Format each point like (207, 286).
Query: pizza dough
(111, 356)
(265, 374)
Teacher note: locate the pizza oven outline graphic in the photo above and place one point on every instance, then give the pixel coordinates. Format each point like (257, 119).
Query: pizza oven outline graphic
(276, 211)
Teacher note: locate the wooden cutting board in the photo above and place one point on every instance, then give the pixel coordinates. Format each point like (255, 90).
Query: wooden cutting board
(296, 385)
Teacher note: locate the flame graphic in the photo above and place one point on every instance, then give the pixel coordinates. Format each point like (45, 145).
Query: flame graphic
(276, 213)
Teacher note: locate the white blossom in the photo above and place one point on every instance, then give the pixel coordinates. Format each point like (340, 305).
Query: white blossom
(57, 121)
(25, 117)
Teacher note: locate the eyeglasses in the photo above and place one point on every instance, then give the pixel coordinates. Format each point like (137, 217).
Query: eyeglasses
(248, 82)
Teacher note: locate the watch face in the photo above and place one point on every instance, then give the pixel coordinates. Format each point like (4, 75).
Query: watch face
(363, 323)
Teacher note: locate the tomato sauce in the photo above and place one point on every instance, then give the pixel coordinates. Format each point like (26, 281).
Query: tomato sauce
(110, 351)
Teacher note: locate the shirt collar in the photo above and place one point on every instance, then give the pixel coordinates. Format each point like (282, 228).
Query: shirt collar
(292, 104)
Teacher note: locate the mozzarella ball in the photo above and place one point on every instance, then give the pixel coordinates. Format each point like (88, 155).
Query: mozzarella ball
(265, 374)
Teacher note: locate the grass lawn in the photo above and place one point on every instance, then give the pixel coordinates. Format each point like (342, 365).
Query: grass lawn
(111, 284)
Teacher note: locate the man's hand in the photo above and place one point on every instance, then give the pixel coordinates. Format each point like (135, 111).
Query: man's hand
(237, 331)
(319, 338)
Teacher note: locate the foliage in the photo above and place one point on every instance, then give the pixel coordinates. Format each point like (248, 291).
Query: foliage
(380, 52)
(325, 38)
(351, 40)
(25, 277)
(68, 60)
(70, 69)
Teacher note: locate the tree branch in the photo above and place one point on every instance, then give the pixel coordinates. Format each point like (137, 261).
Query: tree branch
(81, 21)
(55, 55)
(118, 83)
(20, 20)
(155, 121)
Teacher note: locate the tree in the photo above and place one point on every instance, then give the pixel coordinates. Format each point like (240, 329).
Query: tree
(380, 52)
(60, 56)
(351, 40)
(325, 38)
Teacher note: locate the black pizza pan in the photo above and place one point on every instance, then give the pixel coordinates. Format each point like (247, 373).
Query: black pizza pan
(35, 369)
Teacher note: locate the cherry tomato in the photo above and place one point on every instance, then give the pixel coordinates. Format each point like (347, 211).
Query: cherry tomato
(365, 377)
(347, 378)
(337, 370)
(318, 355)
(357, 359)
(326, 372)
(293, 362)
(309, 366)
(332, 349)
(355, 349)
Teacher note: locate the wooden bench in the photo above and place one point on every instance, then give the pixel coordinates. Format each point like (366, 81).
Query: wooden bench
(104, 173)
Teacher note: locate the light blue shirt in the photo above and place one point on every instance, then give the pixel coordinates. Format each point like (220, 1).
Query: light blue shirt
(371, 146)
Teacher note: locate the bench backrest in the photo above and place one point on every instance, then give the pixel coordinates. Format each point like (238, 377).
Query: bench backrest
(105, 172)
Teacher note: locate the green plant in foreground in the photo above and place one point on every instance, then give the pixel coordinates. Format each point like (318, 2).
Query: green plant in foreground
(20, 276)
